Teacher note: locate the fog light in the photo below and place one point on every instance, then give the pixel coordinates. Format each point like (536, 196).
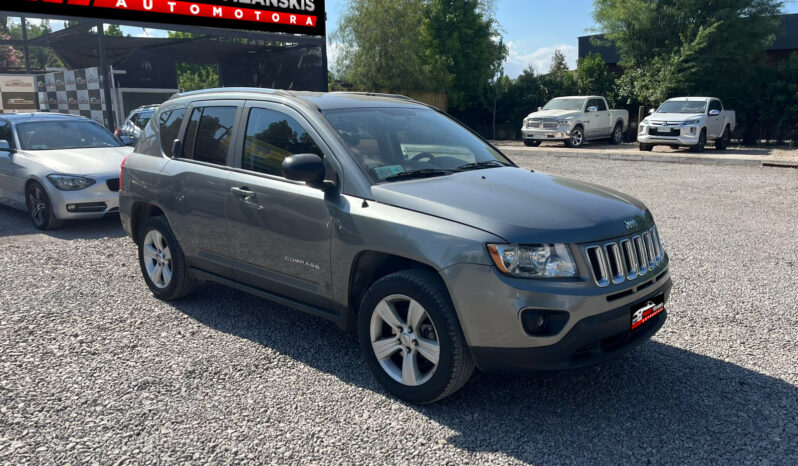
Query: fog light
(70, 207)
(692, 130)
(541, 323)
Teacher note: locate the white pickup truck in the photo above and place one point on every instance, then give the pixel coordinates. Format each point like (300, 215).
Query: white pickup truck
(575, 119)
(687, 121)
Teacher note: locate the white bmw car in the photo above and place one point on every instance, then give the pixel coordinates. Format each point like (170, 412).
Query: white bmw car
(59, 167)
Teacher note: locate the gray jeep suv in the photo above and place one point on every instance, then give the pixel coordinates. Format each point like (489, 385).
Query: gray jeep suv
(387, 217)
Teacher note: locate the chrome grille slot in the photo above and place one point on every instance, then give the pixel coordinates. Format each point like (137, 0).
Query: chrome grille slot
(614, 262)
(595, 256)
(626, 258)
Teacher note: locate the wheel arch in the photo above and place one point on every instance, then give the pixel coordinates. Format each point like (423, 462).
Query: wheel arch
(140, 212)
(370, 266)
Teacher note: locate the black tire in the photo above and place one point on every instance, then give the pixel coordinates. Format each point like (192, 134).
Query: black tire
(531, 143)
(723, 142)
(702, 142)
(181, 282)
(577, 137)
(40, 208)
(455, 365)
(645, 147)
(617, 134)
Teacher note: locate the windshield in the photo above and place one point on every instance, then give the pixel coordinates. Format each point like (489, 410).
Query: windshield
(565, 104)
(144, 118)
(390, 142)
(683, 106)
(66, 134)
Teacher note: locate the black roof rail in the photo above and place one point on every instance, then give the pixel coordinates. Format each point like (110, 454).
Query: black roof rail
(378, 94)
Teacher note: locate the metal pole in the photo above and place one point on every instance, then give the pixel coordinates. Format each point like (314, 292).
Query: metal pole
(105, 73)
(326, 78)
(25, 48)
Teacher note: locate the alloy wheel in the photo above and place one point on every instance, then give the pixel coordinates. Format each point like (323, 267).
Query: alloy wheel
(404, 340)
(576, 137)
(37, 205)
(157, 259)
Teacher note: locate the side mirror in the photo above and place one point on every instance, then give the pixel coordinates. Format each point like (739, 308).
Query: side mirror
(127, 140)
(592, 108)
(714, 112)
(308, 168)
(651, 111)
(5, 146)
(540, 108)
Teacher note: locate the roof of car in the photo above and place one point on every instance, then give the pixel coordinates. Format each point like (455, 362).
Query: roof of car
(40, 116)
(320, 100)
(692, 99)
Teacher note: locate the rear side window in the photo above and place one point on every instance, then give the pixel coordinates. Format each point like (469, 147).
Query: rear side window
(169, 123)
(602, 107)
(6, 133)
(271, 137)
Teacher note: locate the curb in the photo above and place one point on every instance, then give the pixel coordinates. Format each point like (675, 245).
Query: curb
(742, 162)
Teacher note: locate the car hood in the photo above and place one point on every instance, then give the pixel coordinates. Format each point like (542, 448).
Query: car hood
(674, 116)
(553, 114)
(521, 206)
(89, 162)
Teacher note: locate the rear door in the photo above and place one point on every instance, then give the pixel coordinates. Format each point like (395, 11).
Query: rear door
(193, 186)
(280, 230)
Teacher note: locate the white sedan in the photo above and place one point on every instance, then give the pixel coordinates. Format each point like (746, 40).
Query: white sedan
(59, 167)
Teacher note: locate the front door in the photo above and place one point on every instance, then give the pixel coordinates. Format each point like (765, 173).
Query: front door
(195, 185)
(599, 120)
(715, 124)
(12, 183)
(279, 230)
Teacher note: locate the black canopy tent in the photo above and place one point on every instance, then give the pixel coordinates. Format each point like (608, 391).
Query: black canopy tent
(243, 57)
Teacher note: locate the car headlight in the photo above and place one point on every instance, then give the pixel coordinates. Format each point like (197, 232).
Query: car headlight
(691, 122)
(567, 121)
(69, 182)
(538, 261)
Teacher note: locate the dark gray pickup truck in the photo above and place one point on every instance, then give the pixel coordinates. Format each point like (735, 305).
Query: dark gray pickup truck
(389, 218)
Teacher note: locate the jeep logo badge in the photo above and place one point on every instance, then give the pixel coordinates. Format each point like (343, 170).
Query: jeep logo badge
(630, 224)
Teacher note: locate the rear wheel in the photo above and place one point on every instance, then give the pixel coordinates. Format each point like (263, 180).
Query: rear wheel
(702, 142)
(162, 261)
(723, 142)
(531, 143)
(617, 134)
(40, 208)
(411, 338)
(577, 138)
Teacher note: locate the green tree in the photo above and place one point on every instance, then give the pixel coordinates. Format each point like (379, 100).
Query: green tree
(685, 46)
(195, 76)
(380, 47)
(594, 78)
(463, 50)
(113, 30)
(558, 62)
(560, 80)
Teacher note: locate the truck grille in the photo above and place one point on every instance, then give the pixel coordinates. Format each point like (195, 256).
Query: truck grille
(545, 123)
(663, 132)
(113, 184)
(625, 259)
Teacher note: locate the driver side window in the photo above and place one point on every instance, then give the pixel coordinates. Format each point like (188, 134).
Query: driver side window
(6, 133)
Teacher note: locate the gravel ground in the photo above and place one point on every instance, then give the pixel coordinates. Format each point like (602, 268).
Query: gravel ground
(94, 369)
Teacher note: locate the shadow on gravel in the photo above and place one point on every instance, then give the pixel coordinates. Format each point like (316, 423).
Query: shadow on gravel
(17, 223)
(656, 404)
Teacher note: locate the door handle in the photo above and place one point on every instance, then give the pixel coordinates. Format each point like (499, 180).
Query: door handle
(243, 192)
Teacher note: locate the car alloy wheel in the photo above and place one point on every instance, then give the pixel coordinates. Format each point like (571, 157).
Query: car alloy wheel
(157, 259)
(37, 205)
(617, 135)
(404, 340)
(577, 137)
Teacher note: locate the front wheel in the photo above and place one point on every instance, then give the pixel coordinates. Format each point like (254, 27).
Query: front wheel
(702, 142)
(162, 261)
(577, 138)
(531, 143)
(40, 208)
(723, 142)
(411, 338)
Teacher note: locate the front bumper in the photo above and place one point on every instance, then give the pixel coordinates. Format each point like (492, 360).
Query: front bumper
(489, 307)
(540, 134)
(93, 202)
(685, 138)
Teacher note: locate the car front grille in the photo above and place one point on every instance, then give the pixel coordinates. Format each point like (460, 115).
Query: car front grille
(625, 259)
(663, 131)
(545, 123)
(113, 184)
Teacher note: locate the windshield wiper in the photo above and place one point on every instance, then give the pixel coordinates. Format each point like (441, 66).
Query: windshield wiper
(480, 165)
(421, 173)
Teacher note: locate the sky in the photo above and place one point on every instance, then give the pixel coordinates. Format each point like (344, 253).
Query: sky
(532, 29)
